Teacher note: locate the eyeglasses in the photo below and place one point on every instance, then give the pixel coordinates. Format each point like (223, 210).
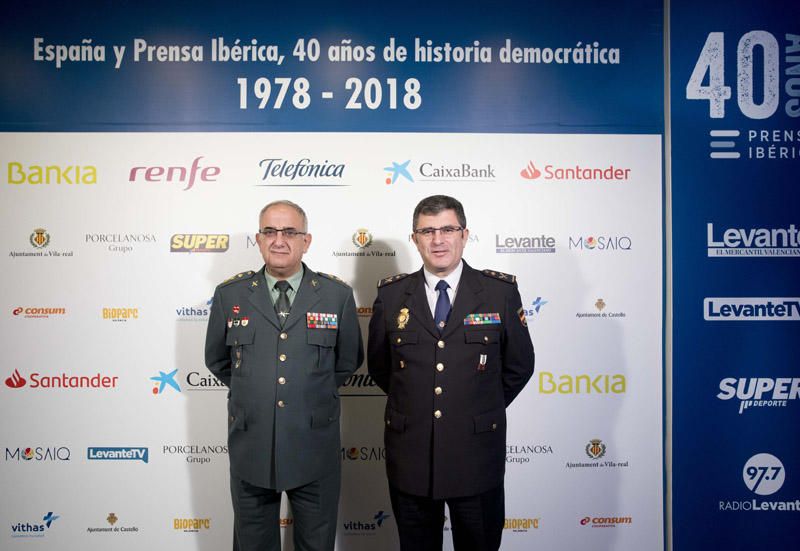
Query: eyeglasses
(272, 233)
(446, 231)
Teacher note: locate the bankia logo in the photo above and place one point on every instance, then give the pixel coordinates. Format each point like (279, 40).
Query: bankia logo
(759, 392)
(118, 454)
(60, 174)
(576, 172)
(62, 381)
(549, 383)
(751, 308)
(752, 242)
(199, 243)
(36, 529)
(763, 474)
(600, 243)
(38, 312)
(303, 172)
(524, 244)
(180, 175)
(39, 454)
(398, 170)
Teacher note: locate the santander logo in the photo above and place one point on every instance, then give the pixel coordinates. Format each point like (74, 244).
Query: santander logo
(16, 380)
(530, 172)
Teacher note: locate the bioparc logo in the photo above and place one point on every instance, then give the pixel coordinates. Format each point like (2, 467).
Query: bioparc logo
(182, 175)
(38, 312)
(575, 172)
(752, 242)
(34, 529)
(120, 314)
(606, 522)
(759, 392)
(279, 172)
(62, 381)
(365, 527)
(118, 454)
(39, 453)
(763, 474)
(521, 524)
(751, 308)
(190, 525)
(199, 243)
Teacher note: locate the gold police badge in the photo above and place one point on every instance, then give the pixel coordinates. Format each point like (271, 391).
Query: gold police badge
(402, 318)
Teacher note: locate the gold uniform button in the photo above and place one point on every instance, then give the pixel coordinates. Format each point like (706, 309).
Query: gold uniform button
(281, 380)
(440, 367)
(282, 357)
(440, 344)
(437, 414)
(402, 364)
(399, 340)
(494, 426)
(485, 338)
(281, 403)
(437, 390)
(388, 422)
(284, 336)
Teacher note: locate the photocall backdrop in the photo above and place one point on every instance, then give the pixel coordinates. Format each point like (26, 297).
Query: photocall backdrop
(139, 144)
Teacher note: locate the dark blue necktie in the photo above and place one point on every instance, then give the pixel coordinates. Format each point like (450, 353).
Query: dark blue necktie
(442, 306)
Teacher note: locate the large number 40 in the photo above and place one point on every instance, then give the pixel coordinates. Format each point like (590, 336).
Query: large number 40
(712, 61)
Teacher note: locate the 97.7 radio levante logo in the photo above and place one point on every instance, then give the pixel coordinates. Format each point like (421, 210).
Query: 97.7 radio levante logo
(764, 475)
(762, 59)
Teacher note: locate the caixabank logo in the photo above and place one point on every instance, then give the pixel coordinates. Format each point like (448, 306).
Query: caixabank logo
(199, 243)
(34, 529)
(461, 171)
(763, 474)
(759, 392)
(197, 381)
(63, 381)
(577, 172)
(752, 242)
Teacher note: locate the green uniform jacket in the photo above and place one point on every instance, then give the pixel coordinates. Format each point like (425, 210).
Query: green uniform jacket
(283, 404)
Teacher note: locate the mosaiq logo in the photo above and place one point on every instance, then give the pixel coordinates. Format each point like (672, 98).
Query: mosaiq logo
(39, 453)
(752, 242)
(364, 453)
(600, 243)
(759, 392)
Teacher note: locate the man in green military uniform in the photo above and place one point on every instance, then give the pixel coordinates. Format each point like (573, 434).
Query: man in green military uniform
(283, 339)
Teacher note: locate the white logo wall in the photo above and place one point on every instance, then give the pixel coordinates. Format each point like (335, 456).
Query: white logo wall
(576, 218)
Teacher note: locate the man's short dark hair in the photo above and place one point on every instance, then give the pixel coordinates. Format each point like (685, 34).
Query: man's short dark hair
(437, 203)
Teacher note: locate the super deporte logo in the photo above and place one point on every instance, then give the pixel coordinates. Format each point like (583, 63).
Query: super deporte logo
(760, 392)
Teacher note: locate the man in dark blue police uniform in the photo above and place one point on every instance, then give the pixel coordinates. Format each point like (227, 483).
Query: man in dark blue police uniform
(450, 347)
(283, 339)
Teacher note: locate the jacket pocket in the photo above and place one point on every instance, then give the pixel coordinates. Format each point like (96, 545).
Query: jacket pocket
(395, 421)
(240, 342)
(492, 421)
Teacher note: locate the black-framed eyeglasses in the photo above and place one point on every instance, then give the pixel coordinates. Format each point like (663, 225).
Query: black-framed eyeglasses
(288, 233)
(446, 231)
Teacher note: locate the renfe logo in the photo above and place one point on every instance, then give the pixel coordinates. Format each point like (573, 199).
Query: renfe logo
(175, 174)
(751, 309)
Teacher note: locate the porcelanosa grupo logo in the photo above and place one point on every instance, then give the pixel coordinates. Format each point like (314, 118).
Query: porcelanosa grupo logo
(279, 172)
(759, 392)
(33, 529)
(398, 170)
(195, 454)
(178, 175)
(120, 242)
(752, 242)
(520, 453)
(576, 172)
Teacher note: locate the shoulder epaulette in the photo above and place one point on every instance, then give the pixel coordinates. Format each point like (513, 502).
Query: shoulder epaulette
(332, 278)
(508, 278)
(391, 279)
(244, 275)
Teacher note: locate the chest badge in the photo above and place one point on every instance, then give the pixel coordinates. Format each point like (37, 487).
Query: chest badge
(402, 318)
